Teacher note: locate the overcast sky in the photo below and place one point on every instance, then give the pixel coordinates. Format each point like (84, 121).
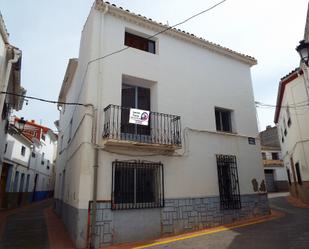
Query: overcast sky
(48, 33)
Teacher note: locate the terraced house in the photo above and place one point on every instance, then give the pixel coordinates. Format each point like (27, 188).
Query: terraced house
(163, 137)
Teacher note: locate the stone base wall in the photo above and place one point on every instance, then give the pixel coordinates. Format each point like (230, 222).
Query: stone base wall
(189, 214)
(178, 216)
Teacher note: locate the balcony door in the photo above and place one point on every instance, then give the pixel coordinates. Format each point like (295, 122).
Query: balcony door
(139, 98)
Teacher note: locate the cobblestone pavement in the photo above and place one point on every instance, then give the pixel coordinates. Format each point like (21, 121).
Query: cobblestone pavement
(290, 231)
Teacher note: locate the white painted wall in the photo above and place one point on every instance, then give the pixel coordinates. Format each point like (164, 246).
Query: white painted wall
(296, 142)
(185, 79)
(30, 165)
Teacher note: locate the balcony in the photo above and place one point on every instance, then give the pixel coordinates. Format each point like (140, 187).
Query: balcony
(162, 132)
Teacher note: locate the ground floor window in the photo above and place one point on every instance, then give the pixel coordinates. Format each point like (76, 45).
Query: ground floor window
(137, 184)
(228, 182)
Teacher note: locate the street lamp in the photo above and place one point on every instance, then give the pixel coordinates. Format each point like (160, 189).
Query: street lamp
(20, 124)
(303, 50)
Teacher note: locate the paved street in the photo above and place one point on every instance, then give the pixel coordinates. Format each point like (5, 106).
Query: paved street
(33, 227)
(290, 231)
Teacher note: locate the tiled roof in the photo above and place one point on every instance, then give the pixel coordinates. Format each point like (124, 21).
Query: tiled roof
(249, 59)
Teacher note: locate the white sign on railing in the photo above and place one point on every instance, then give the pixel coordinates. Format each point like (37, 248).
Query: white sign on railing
(140, 117)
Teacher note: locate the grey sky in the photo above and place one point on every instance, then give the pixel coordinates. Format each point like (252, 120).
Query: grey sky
(48, 33)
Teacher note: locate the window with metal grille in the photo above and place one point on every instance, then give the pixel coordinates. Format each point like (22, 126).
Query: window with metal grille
(223, 120)
(228, 182)
(137, 184)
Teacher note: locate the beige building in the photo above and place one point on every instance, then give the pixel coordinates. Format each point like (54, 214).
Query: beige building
(166, 138)
(274, 170)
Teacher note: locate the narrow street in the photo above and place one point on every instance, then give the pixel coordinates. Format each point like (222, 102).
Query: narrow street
(33, 227)
(36, 227)
(290, 231)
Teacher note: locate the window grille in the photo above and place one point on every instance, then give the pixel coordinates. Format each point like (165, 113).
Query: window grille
(228, 182)
(137, 184)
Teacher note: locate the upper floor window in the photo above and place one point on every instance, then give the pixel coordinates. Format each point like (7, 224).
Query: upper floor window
(263, 155)
(43, 137)
(33, 154)
(275, 156)
(223, 120)
(5, 148)
(23, 150)
(288, 115)
(139, 42)
(299, 179)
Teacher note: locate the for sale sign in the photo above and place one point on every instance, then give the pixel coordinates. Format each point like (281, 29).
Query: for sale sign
(140, 117)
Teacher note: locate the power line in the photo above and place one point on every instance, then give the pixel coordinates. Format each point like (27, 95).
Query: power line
(43, 100)
(160, 32)
(110, 54)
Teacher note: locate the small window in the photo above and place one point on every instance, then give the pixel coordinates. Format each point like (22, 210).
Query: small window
(282, 136)
(42, 160)
(289, 175)
(137, 184)
(23, 150)
(138, 42)
(299, 179)
(70, 130)
(263, 155)
(223, 120)
(285, 128)
(288, 115)
(5, 148)
(274, 156)
(43, 137)
(33, 154)
(47, 164)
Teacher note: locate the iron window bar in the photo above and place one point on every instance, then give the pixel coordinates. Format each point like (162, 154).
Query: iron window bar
(137, 184)
(228, 182)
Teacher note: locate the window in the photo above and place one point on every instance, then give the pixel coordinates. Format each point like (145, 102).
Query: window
(47, 164)
(23, 150)
(263, 155)
(137, 184)
(289, 175)
(274, 156)
(70, 130)
(288, 115)
(5, 148)
(33, 154)
(134, 97)
(223, 120)
(285, 130)
(138, 42)
(42, 159)
(228, 182)
(43, 137)
(282, 137)
(299, 180)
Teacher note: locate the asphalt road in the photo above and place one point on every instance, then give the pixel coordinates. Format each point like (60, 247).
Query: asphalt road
(290, 231)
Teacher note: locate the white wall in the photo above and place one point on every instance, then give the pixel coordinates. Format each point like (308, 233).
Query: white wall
(184, 79)
(296, 142)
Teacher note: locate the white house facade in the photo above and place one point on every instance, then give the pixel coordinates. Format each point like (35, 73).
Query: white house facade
(28, 166)
(292, 120)
(10, 67)
(162, 138)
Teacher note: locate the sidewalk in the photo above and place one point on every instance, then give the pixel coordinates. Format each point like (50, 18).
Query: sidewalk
(33, 227)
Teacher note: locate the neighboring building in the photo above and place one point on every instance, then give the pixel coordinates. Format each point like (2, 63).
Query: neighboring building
(28, 172)
(192, 162)
(292, 119)
(10, 66)
(274, 170)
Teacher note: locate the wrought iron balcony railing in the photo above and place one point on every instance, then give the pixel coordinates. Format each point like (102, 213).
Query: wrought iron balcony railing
(162, 129)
